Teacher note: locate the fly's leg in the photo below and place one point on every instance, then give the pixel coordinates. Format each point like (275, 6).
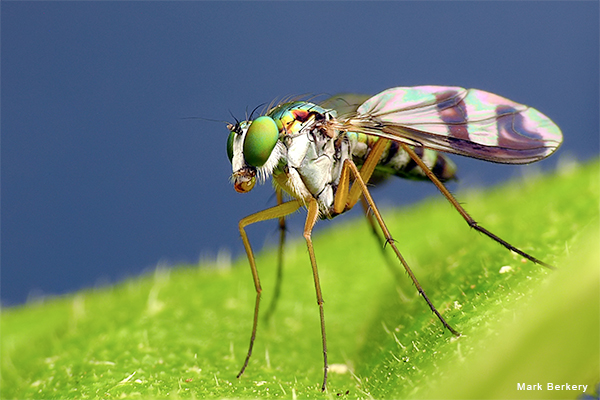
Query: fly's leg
(279, 211)
(355, 193)
(279, 279)
(472, 223)
(366, 170)
(344, 200)
(393, 266)
(311, 220)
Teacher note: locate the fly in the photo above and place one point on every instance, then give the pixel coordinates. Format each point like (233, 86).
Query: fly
(324, 155)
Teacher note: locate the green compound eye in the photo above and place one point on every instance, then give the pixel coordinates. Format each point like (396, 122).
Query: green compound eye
(230, 146)
(260, 141)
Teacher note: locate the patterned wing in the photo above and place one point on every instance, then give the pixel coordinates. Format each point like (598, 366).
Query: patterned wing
(471, 122)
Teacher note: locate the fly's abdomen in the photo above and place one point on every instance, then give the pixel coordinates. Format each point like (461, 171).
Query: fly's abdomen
(395, 161)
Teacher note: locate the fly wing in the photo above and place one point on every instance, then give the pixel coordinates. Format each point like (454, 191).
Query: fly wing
(345, 104)
(468, 122)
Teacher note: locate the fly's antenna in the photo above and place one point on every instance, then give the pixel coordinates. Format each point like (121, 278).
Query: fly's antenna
(233, 127)
(233, 116)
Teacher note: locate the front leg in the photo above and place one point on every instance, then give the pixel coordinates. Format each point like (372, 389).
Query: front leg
(311, 220)
(279, 279)
(279, 211)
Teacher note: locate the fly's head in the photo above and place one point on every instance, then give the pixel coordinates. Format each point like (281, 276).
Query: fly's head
(254, 149)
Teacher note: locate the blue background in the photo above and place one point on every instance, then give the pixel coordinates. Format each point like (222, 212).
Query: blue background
(102, 178)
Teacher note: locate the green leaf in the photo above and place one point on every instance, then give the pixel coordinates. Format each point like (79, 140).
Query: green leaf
(183, 332)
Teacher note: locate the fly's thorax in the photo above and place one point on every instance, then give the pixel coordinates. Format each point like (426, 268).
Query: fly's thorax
(315, 152)
(293, 116)
(312, 162)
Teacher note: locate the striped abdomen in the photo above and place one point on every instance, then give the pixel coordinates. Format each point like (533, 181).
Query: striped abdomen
(395, 161)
